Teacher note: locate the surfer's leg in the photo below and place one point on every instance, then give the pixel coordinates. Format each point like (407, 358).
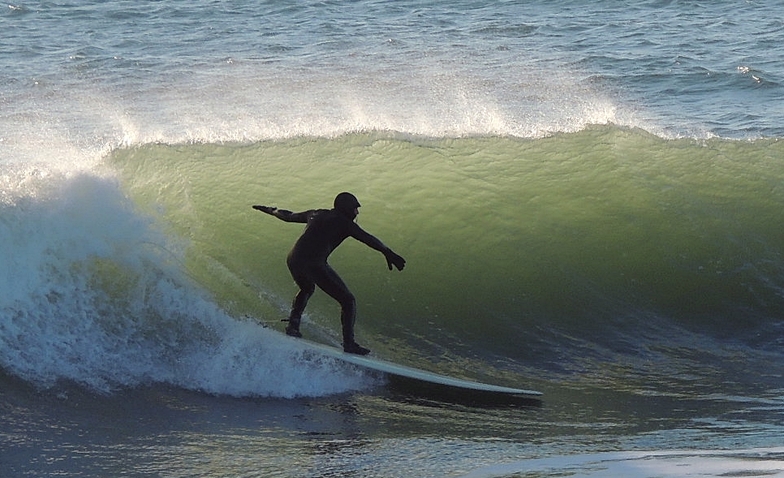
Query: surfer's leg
(306, 288)
(297, 307)
(331, 283)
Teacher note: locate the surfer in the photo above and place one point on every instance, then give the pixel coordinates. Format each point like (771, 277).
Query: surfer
(326, 229)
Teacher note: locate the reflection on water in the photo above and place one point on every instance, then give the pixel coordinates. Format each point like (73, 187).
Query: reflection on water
(162, 431)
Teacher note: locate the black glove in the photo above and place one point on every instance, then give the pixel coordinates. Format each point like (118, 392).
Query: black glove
(267, 209)
(395, 260)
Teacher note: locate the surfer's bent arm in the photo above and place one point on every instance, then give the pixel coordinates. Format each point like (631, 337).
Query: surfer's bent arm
(372, 241)
(285, 214)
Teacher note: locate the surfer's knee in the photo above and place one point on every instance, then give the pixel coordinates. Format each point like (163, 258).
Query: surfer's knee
(350, 299)
(307, 289)
(304, 294)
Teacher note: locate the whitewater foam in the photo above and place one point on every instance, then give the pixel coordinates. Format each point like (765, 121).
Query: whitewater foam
(92, 292)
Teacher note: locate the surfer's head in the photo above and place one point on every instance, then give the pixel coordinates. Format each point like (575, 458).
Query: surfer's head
(347, 204)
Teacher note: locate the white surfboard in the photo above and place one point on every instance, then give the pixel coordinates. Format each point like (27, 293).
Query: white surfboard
(410, 373)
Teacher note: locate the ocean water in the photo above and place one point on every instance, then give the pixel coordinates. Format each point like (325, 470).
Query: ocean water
(589, 196)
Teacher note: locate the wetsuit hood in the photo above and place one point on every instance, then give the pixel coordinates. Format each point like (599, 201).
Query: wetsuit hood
(347, 204)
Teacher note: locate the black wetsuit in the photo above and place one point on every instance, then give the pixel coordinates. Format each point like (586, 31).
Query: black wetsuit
(307, 261)
(326, 229)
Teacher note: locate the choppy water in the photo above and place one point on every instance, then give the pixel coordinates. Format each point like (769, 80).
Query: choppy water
(589, 196)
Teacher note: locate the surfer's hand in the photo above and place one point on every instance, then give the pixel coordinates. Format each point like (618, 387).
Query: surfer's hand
(395, 260)
(267, 209)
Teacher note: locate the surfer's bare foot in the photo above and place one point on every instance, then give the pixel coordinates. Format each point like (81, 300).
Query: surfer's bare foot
(355, 348)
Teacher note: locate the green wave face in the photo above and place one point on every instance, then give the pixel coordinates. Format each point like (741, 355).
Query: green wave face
(584, 230)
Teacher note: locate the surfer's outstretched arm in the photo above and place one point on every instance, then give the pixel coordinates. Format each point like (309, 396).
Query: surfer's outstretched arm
(284, 214)
(392, 258)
